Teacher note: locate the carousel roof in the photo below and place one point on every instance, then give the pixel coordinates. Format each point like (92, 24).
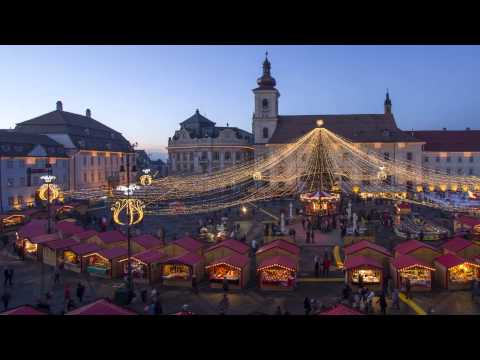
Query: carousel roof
(457, 243)
(365, 244)
(69, 228)
(83, 249)
(450, 260)
(61, 243)
(341, 309)
(185, 259)
(468, 220)
(150, 256)
(113, 253)
(236, 260)
(23, 310)
(101, 307)
(357, 261)
(147, 241)
(282, 244)
(112, 236)
(403, 261)
(33, 228)
(232, 244)
(86, 234)
(316, 195)
(44, 238)
(412, 245)
(188, 243)
(282, 261)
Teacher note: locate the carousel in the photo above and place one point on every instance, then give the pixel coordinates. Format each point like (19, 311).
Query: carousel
(320, 203)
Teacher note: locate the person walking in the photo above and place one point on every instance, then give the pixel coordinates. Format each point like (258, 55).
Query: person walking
(224, 305)
(408, 287)
(475, 289)
(307, 237)
(383, 304)
(66, 293)
(194, 284)
(80, 292)
(6, 299)
(369, 301)
(307, 306)
(326, 266)
(317, 268)
(56, 276)
(225, 284)
(396, 299)
(6, 275)
(158, 308)
(10, 276)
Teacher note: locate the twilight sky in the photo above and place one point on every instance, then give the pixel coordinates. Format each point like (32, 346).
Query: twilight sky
(145, 91)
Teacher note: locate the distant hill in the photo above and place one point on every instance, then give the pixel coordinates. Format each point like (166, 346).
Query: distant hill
(155, 155)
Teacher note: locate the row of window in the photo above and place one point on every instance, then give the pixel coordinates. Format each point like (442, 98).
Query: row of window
(215, 156)
(39, 163)
(36, 181)
(100, 176)
(449, 159)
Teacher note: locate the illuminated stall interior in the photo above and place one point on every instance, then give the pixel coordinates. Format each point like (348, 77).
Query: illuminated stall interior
(369, 269)
(179, 270)
(417, 271)
(462, 247)
(234, 268)
(277, 273)
(105, 263)
(72, 256)
(33, 247)
(454, 272)
(145, 266)
(9, 221)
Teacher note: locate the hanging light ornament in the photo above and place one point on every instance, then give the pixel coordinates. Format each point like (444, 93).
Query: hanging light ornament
(48, 191)
(257, 176)
(133, 208)
(146, 178)
(382, 174)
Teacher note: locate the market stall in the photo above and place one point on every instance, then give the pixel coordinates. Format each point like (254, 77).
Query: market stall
(74, 255)
(178, 271)
(146, 267)
(146, 242)
(467, 223)
(101, 307)
(53, 250)
(369, 249)
(67, 229)
(84, 237)
(33, 247)
(235, 267)
(368, 269)
(226, 248)
(454, 272)
(25, 310)
(461, 247)
(109, 239)
(418, 250)
(278, 248)
(30, 230)
(403, 208)
(11, 221)
(341, 310)
(277, 273)
(420, 273)
(182, 246)
(106, 262)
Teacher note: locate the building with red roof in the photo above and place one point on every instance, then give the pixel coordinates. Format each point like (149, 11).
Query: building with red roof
(461, 247)
(73, 256)
(234, 267)
(277, 272)
(101, 307)
(179, 270)
(184, 245)
(53, 250)
(146, 242)
(32, 229)
(105, 262)
(85, 235)
(369, 249)
(418, 272)
(145, 267)
(24, 310)
(418, 249)
(342, 310)
(109, 239)
(226, 248)
(67, 229)
(33, 247)
(454, 272)
(366, 270)
(278, 248)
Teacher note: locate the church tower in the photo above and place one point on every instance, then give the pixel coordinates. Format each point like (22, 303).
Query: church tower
(388, 104)
(265, 116)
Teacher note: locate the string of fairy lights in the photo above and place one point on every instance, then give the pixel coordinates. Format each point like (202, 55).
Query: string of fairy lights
(318, 161)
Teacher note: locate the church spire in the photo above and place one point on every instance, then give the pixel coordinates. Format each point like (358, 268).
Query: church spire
(388, 104)
(266, 81)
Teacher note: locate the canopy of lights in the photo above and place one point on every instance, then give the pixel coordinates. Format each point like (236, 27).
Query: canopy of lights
(318, 161)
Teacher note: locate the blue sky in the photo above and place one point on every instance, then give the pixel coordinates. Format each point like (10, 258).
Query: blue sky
(145, 91)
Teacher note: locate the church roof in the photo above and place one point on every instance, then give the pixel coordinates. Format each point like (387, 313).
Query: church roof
(197, 119)
(356, 127)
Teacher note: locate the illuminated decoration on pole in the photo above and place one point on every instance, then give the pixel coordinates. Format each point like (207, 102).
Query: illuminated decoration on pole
(48, 191)
(382, 174)
(257, 176)
(146, 179)
(133, 208)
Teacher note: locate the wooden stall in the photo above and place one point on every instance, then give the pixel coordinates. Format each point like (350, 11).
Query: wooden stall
(66, 229)
(369, 249)
(101, 307)
(53, 250)
(106, 262)
(182, 246)
(9, 222)
(461, 247)
(467, 224)
(24, 310)
(33, 247)
(454, 272)
(84, 237)
(235, 267)
(341, 310)
(146, 242)
(418, 250)
(146, 266)
(419, 272)
(225, 248)
(30, 230)
(352, 239)
(368, 269)
(277, 272)
(178, 270)
(74, 255)
(278, 248)
(109, 239)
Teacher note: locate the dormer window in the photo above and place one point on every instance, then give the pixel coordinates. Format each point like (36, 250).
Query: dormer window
(87, 131)
(112, 135)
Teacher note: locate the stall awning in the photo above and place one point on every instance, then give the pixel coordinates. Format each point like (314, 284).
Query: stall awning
(412, 245)
(87, 234)
(41, 239)
(147, 241)
(189, 243)
(467, 220)
(365, 244)
(113, 236)
(84, 249)
(101, 307)
(278, 261)
(341, 309)
(23, 310)
(404, 261)
(451, 260)
(232, 244)
(353, 262)
(33, 228)
(150, 256)
(60, 244)
(282, 244)
(457, 243)
(235, 260)
(185, 259)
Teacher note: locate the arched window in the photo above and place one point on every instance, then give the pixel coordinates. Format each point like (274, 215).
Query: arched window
(265, 132)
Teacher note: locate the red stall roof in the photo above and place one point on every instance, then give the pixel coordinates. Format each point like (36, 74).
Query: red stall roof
(185, 259)
(69, 228)
(150, 256)
(404, 261)
(282, 244)
(236, 260)
(189, 243)
(283, 261)
(33, 228)
(113, 253)
(457, 243)
(41, 239)
(365, 244)
(101, 307)
(232, 244)
(341, 309)
(23, 310)
(61, 243)
(468, 220)
(412, 245)
(113, 236)
(147, 241)
(359, 260)
(450, 260)
(83, 249)
(86, 234)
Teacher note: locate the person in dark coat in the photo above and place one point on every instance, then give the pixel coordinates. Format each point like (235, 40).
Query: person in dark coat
(6, 275)
(307, 239)
(80, 291)
(6, 299)
(317, 268)
(143, 295)
(360, 281)
(10, 276)
(194, 284)
(307, 306)
(408, 287)
(225, 284)
(383, 303)
(158, 308)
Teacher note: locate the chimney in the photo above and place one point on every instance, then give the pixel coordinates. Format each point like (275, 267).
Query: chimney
(444, 129)
(59, 106)
(468, 129)
(88, 113)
